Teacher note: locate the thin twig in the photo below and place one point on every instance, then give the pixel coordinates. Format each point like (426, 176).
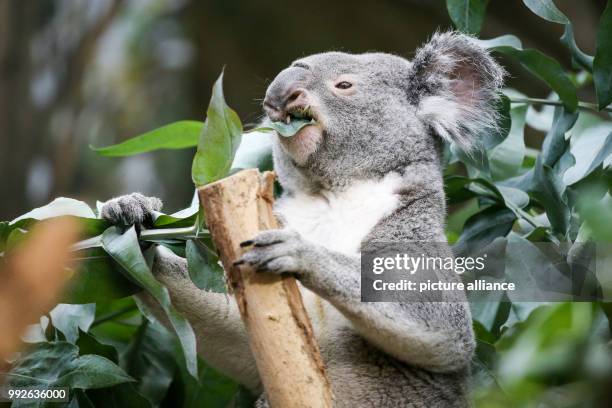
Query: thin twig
(113, 315)
(539, 101)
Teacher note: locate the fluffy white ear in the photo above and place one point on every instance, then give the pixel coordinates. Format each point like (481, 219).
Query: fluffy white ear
(455, 85)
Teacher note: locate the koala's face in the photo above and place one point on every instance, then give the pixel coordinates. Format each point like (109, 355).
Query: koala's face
(378, 112)
(351, 97)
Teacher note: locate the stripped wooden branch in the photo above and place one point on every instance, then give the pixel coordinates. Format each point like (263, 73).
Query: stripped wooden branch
(280, 333)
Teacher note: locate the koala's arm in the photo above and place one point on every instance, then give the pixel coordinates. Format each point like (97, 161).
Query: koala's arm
(221, 338)
(435, 336)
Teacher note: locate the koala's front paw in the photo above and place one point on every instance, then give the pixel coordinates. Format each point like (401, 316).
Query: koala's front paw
(276, 251)
(130, 209)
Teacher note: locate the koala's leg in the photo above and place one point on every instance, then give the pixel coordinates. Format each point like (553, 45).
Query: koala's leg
(221, 337)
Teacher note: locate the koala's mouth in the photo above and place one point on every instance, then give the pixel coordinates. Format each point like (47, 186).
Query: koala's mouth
(300, 113)
(295, 120)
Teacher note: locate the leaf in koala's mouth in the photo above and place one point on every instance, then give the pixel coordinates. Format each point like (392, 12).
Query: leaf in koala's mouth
(291, 128)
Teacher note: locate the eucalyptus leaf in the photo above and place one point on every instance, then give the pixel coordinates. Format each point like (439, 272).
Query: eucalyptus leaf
(604, 153)
(579, 57)
(4, 232)
(555, 143)
(218, 141)
(57, 364)
(213, 387)
(291, 128)
(93, 371)
(527, 265)
(467, 15)
(483, 227)
(58, 207)
(177, 135)
(204, 269)
(89, 344)
(602, 64)
(97, 278)
(150, 358)
(124, 248)
(506, 158)
(548, 189)
(68, 319)
(255, 151)
(542, 66)
(547, 10)
(590, 148)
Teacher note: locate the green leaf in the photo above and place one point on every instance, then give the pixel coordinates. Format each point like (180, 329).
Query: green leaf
(89, 344)
(467, 15)
(488, 309)
(579, 57)
(93, 371)
(68, 319)
(513, 196)
(493, 137)
(150, 358)
(529, 267)
(549, 344)
(183, 218)
(177, 135)
(601, 156)
(482, 228)
(97, 278)
(547, 10)
(204, 270)
(602, 64)
(555, 144)
(506, 158)
(124, 248)
(291, 128)
(540, 65)
(57, 364)
(58, 207)
(476, 161)
(213, 387)
(218, 140)
(5, 230)
(15, 238)
(255, 151)
(590, 149)
(548, 190)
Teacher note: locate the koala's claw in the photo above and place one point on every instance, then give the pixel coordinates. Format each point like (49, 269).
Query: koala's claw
(271, 237)
(131, 209)
(276, 251)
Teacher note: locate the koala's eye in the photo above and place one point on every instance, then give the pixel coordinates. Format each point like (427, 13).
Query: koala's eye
(344, 85)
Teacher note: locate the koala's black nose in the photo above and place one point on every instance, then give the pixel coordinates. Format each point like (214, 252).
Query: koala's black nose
(287, 90)
(276, 108)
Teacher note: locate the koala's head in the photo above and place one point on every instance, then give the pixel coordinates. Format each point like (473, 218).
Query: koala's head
(377, 112)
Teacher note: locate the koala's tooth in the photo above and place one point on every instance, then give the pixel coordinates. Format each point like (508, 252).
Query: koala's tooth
(287, 119)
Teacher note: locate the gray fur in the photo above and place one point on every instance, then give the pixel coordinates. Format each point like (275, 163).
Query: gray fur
(398, 354)
(131, 209)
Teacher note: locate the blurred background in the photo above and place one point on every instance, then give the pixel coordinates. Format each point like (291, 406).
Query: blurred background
(75, 73)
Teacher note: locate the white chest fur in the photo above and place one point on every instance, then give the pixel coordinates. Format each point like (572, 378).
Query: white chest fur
(339, 220)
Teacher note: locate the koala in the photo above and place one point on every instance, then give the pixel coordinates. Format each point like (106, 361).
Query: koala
(368, 171)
